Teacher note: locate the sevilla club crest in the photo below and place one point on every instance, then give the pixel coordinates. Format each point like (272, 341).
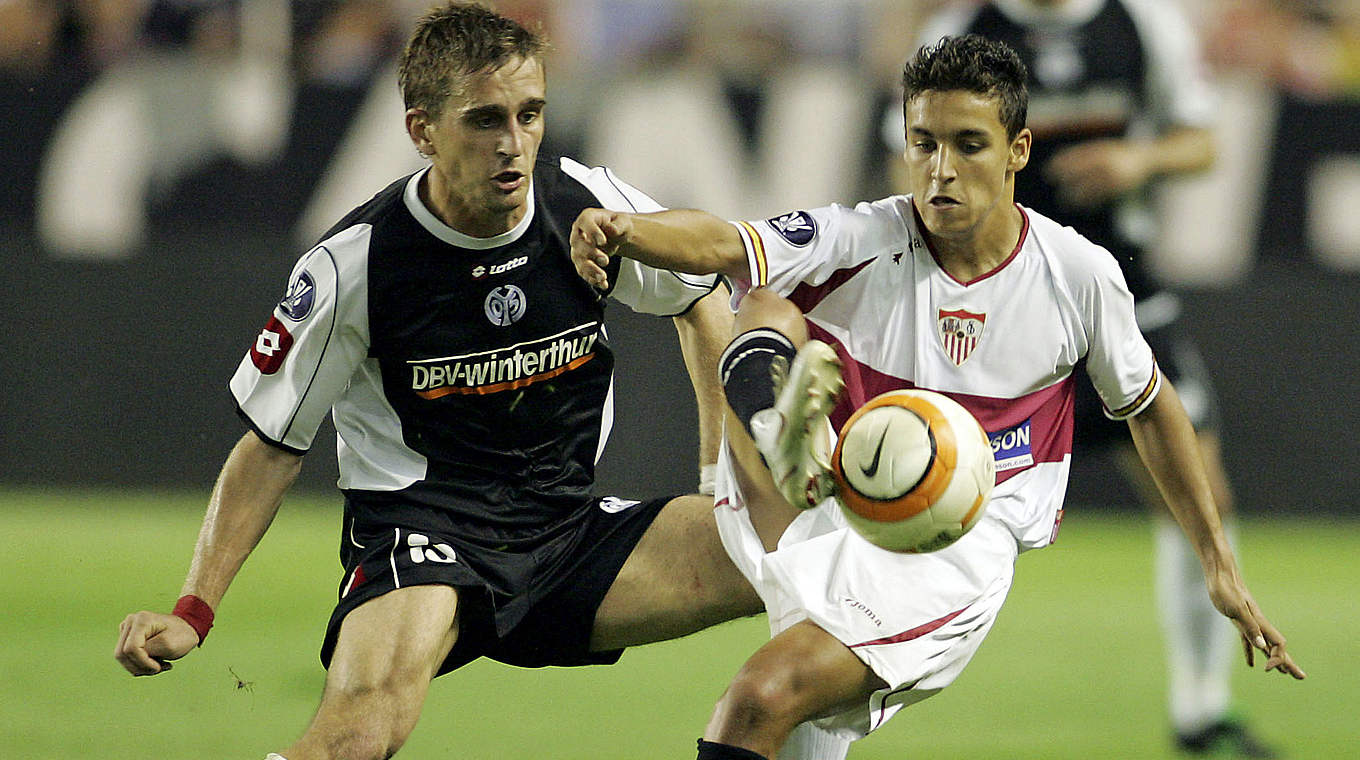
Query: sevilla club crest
(960, 332)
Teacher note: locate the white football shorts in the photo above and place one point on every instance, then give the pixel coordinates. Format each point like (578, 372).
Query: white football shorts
(914, 619)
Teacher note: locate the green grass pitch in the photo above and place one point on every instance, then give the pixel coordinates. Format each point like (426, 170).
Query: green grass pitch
(1073, 669)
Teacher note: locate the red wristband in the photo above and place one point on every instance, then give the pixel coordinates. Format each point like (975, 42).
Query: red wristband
(196, 613)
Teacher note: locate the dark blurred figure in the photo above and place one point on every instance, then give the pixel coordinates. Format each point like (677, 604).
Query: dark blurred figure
(46, 58)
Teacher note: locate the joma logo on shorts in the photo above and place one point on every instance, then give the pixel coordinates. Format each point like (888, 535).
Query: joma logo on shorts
(856, 604)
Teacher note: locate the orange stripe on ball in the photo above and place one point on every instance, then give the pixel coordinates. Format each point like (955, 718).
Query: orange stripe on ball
(977, 504)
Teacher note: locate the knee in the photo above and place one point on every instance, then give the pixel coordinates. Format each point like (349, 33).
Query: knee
(362, 742)
(763, 307)
(366, 721)
(764, 701)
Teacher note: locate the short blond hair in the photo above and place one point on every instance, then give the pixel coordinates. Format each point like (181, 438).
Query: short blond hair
(455, 41)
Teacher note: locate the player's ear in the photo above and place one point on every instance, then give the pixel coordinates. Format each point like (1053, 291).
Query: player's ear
(1020, 146)
(418, 127)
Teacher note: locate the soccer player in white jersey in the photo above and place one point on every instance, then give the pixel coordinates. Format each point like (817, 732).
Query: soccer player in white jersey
(1120, 101)
(954, 288)
(442, 326)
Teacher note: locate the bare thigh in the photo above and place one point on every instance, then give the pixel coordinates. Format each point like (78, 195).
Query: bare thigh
(770, 513)
(388, 651)
(677, 580)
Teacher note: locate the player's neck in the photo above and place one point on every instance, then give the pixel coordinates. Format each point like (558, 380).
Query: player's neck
(972, 254)
(459, 215)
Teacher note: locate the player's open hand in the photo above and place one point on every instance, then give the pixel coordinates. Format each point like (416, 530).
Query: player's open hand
(595, 237)
(147, 641)
(1231, 597)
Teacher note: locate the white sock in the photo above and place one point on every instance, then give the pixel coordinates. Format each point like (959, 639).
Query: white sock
(274, 756)
(1199, 640)
(808, 742)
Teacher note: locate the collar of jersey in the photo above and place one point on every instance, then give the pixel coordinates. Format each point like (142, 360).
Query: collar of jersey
(451, 236)
(1072, 12)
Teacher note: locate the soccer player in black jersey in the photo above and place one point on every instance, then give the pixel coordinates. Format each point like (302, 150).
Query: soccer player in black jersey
(469, 376)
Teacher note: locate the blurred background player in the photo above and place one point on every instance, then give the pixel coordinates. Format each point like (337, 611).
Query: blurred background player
(1119, 100)
(470, 379)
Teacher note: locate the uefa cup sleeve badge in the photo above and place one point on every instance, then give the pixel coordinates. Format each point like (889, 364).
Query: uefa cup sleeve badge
(297, 302)
(797, 227)
(959, 330)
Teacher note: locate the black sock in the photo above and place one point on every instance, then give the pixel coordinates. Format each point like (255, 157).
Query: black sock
(744, 370)
(716, 751)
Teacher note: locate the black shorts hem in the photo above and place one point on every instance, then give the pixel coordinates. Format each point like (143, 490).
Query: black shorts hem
(546, 623)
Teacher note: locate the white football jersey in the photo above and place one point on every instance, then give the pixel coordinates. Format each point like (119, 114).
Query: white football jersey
(1004, 345)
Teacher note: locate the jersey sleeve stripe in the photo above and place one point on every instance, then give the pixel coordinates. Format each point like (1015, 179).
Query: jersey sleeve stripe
(608, 175)
(325, 346)
(1143, 398)
(755, 254)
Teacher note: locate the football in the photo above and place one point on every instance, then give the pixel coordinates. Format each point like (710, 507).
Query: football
(914, 470)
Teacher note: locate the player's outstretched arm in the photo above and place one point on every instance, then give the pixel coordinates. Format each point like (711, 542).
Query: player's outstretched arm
(1167, 444)
(1099, 171)
(243, 504)
(680, 240)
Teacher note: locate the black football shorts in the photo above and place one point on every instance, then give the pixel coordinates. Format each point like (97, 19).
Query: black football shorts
(530, 608)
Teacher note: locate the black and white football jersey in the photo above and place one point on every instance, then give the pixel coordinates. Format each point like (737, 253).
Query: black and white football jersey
(1098, 69)
(468, 378)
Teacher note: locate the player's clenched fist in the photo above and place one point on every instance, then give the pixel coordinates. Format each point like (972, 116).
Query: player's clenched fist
(595, 236)
(148, 640)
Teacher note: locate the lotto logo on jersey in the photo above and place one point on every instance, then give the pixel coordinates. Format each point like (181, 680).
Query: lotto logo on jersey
(1011, 447)
(797, 227)
(480, 271)
(271, 347)
(960, 331)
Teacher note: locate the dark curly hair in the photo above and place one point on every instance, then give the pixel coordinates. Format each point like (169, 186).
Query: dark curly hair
(975, 64)
(454, 41)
